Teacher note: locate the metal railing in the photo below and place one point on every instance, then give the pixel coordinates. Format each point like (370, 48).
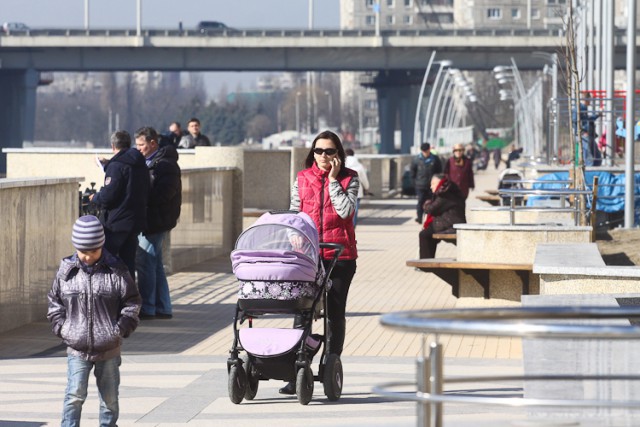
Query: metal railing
(526, 322)
(562, 193)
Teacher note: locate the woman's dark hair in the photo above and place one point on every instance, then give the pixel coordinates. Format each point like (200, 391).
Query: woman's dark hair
(327, 134)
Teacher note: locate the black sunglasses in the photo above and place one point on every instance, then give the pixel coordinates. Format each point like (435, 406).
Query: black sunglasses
(327, 151)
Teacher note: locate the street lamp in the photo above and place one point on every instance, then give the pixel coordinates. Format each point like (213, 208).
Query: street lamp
(330, 104)
(416, 122)
(432, 96)
(298, 112)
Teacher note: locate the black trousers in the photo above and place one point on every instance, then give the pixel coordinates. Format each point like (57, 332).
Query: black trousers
(423, 196)
(427, 243)
(341, 277)
(123, 245)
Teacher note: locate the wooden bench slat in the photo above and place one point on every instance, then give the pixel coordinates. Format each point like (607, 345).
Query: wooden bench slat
(453, 263)
(445, 236)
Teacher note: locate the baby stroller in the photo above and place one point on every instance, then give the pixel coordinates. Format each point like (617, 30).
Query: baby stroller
(280, 272)
(507, 179)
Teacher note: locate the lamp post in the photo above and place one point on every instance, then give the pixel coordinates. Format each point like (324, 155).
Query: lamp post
(433, 96)
(86, 18)
(553, 57)
(298, 112)
(416, 122)
(330, 104)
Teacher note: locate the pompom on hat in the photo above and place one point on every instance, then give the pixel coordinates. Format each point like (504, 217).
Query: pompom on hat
(88, 233)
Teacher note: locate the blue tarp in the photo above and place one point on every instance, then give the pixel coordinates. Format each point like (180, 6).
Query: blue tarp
(610, 190)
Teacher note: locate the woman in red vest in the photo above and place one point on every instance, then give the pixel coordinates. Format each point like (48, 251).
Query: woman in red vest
(327, 191)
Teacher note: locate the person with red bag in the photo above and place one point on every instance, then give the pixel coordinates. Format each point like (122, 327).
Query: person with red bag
(446, 208)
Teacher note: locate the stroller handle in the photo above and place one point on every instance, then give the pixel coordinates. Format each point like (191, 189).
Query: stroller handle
(335, 246)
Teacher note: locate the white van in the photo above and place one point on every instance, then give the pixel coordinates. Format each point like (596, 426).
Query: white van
(14, 27)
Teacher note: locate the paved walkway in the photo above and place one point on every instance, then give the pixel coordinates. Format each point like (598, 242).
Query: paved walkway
(174, 371)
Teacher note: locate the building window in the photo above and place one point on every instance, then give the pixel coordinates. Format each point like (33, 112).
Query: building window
(408, 3)
(391, 19)
(370, 20)
(391, 3)
(515, 13)
(407, 19)
(369, 3)
(535, 13)
(494, 13)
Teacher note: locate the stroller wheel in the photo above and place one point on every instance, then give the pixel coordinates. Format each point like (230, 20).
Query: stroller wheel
(253, 380)
(237, 383)
(304, 385)
(332, 377)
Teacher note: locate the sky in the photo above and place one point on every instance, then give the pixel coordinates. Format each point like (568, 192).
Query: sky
(238, 14)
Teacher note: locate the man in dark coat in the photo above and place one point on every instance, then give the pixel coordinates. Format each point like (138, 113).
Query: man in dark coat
(123, 199)
(163, 211)
(445, 209)
(423, 167)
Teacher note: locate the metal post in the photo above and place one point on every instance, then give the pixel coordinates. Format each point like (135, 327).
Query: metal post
(556, 121)
(298, 112)
(416, 123)
(86, 15)
(434, 88)
(423, 375)
(447, 94)
(631, 98)
(590, 45)
(608, 60)
(139, 18)
(435, 381)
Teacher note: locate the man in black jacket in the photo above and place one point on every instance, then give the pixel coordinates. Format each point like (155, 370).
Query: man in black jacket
(123, 199)
(163, 211)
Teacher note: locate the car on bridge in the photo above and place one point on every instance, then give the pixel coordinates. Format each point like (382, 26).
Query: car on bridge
(205, 27)
(14, 27)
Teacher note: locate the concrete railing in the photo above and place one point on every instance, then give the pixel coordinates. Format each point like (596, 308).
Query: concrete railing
(36, 217)
(217, 183)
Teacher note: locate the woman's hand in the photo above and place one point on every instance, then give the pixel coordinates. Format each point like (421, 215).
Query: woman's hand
(335, 168)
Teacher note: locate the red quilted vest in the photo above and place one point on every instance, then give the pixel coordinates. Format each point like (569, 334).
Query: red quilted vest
(313, 189)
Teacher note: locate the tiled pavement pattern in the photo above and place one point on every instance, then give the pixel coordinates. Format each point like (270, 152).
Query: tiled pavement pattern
(174, 371)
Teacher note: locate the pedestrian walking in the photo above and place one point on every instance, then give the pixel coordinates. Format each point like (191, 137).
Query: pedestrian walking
(459, 169)
(93, 304)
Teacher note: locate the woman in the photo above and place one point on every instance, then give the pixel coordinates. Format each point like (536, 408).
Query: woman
(445, 209)
(328, 191)
(459, 169)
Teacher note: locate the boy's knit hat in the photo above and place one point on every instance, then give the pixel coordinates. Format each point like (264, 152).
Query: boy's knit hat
(87, 234)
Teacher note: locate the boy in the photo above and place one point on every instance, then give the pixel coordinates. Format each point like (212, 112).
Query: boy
(93, 304)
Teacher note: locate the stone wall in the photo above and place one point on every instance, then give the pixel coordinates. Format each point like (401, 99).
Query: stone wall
(36, 217)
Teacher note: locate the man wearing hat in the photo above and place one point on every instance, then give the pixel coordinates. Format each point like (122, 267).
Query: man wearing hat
(93, 304)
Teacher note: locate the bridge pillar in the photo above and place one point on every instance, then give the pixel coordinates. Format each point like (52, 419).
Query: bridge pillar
(397, 93)
(17, 109)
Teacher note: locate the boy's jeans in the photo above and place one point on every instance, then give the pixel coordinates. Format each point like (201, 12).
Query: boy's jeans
(107, 374)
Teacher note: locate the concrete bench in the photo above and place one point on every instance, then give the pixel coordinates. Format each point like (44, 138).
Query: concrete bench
(521, 215)
(450, 270)
(578, 268)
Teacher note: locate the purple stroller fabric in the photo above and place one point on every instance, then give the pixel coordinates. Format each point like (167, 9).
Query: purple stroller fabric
(273, 341)
(278, 247)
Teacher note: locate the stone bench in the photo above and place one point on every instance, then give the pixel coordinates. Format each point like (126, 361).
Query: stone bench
(523, 215)
(575, 357)
(453, 272)
(579, 269)
(496, 260)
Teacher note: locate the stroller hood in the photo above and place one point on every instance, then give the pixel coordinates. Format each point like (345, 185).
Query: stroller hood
(279, 246)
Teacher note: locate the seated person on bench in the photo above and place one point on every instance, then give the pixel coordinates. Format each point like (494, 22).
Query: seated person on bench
(445, 208)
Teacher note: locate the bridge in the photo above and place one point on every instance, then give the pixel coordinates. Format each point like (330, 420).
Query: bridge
(399, 57)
